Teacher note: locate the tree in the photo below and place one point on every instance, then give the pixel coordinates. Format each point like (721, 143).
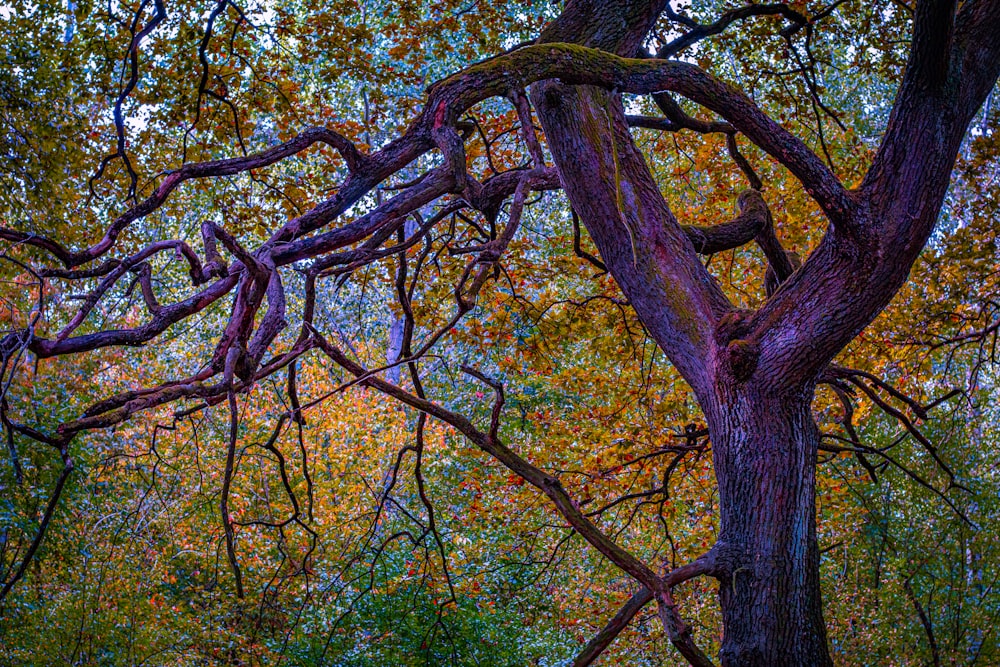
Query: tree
(753, 372)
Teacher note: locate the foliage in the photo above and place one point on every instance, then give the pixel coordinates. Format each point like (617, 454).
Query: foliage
(364, 533)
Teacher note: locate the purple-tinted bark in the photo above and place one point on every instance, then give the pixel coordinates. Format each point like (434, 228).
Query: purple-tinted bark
(753, 373)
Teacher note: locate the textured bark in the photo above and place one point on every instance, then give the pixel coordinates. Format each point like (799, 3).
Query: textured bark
(765, 445)
(645, 248)
(764, 448)
(754, 373)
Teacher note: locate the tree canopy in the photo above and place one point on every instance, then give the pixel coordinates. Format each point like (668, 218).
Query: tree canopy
(488, 333)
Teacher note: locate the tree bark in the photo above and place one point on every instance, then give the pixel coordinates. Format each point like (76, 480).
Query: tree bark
(754, 374)
(765, 442)
(764, 439)
(763, 434)
(764, 446)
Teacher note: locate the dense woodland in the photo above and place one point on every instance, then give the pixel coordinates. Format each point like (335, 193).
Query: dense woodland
(356, 333)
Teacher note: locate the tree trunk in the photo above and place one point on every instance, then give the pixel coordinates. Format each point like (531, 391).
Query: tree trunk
(764, 448)
(765, 442)
(753, 372)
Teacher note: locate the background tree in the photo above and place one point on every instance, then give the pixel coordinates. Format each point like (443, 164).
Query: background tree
(433, 212)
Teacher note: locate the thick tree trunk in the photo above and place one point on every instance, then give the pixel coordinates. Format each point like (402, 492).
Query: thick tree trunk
(765, 456)
(765, 443)
(751, 373)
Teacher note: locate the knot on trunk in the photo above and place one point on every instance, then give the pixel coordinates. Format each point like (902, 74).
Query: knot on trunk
(734, 324)
(726, 561)
(741, 351)
(552, 96)
(741, 357)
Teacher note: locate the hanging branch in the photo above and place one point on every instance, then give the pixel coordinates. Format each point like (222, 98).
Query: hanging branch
(160, 13)
(227, 479)
(43, 525)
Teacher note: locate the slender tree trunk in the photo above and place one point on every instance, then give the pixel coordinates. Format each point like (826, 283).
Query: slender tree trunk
(765, 457)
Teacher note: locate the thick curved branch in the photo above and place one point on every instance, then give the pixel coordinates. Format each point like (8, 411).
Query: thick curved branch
(639, 239)
(173, 179)
(583, 66)
(436, 184)
(447, 99)
(898, 204)
(953, 65)
(752, 221)
(116, 409)
(267, 285)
